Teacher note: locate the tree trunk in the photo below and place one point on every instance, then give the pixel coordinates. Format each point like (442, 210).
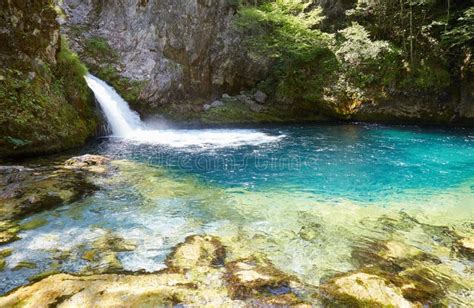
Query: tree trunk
(411, 38)
(447, 17)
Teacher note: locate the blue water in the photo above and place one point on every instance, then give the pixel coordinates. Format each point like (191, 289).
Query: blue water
(306, 200)
(359, 162)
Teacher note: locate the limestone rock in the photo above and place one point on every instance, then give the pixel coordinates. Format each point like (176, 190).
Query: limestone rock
(91, 163)
(364, 290)
(28, 191)
(252, 276)
(196, 251)
(183, 51)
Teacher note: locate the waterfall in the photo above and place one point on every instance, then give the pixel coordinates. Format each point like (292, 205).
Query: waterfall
(126, 124)
(121, 118)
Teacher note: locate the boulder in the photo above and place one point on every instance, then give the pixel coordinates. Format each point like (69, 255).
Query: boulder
(260, 97)
(255, 107)
(88, 162)
(216, 104)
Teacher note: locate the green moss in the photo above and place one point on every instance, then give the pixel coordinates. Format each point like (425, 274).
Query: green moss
(43, 275)
(45, 108)
(6, 252)
(129, 89)
(24, 264)
(33, 224)
(98, 47)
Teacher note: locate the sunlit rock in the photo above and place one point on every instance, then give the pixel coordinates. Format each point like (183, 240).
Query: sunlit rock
(254, 276)
(465, 246)
(365, 290)
(103, 255)
(8, 232)
(197, 251)
(196, 276)
(91, 163)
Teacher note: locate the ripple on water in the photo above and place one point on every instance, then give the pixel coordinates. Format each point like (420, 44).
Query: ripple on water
(313, 219)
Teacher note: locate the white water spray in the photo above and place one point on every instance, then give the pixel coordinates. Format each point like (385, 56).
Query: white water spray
(126, 124)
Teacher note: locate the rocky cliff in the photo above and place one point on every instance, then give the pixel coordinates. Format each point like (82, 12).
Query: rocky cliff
(44, 101)
(180, 59)
(163, 53)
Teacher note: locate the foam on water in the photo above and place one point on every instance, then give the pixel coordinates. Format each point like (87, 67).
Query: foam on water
(126, 124)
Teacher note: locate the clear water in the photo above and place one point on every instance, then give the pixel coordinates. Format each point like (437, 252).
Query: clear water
(307, 197)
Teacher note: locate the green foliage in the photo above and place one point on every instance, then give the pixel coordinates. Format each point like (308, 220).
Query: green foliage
(363, 62)
(462, 34)
(431, 36)
(286, 30)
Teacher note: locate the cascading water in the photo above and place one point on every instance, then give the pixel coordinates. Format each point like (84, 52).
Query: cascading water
(119, 115)
(126, 124)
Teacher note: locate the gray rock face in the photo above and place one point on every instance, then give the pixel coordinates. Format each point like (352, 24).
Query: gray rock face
(185, 50)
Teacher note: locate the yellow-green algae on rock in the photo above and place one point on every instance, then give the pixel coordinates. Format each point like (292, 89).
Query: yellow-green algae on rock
(194, 278)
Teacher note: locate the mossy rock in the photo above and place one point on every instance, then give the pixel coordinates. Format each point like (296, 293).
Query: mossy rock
(24, 265)
(33, 224)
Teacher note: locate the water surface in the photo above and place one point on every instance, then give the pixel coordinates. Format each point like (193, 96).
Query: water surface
(308, 197)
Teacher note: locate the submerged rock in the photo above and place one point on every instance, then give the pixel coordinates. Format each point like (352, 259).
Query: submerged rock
(3, 254)
(8, 232)
(103, 255)
(29, 190)
(197, 251)
(257, 277)
(364, 290)
(197, 276)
